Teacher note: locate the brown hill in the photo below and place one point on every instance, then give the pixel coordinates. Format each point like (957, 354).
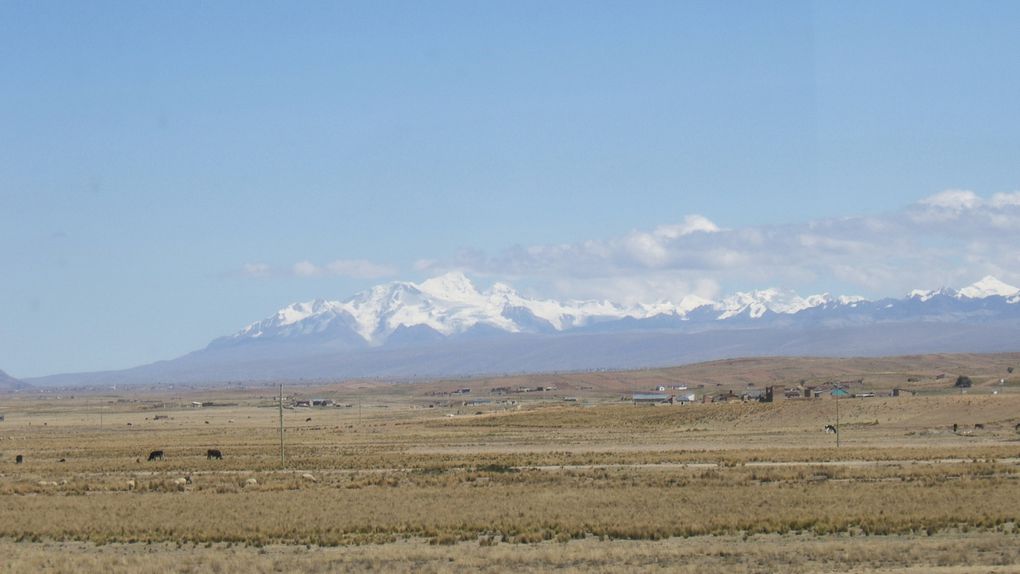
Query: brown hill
(916, 372)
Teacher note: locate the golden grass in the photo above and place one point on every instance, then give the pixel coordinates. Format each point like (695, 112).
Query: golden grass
(595, 485)
(955, 553)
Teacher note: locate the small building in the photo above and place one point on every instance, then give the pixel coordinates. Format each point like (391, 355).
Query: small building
(753, 395)
(652, 399)
(685, 399)
(726, 397)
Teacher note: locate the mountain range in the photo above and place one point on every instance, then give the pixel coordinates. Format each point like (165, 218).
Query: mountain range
(9, 383)
(446, 326)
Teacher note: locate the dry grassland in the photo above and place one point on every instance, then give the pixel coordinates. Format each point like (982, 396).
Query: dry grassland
(396, 485)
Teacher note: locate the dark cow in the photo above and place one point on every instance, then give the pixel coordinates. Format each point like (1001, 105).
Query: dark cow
(19, 459)
(979, 426)
(214, 453)
(308, 420)
(830, 428)
(155, 455)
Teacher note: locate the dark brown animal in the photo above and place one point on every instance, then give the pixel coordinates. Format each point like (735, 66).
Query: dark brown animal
(213, 453)
(19, 459)
(155, 455)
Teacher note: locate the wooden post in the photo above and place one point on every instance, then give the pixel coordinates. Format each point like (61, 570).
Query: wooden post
(282, 459)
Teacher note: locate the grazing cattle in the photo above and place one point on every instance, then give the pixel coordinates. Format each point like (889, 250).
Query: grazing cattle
(131, 484)
(308, 420)
(19, 459)
(251, 482)
(1017, 427)
(309, 477)
(830, 429)
(214, 453)
(62, 460)
(979, 426)
(955, 427)
(155, 455)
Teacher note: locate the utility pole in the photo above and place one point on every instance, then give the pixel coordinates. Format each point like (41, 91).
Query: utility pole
(282, 459)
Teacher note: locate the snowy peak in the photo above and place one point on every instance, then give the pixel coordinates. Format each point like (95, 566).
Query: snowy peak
(756, 304)
(453, 286)
(923, 295)
(452, 304)
(988, 287)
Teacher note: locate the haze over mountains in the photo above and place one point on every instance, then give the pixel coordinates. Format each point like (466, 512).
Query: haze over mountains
(446, 326)
(9, 383)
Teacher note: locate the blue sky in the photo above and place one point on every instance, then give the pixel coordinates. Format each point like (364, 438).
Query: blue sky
(172, 172)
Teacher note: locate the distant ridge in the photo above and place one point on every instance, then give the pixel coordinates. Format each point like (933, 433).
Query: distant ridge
(451, 305)
(445, 326)
(9, 383)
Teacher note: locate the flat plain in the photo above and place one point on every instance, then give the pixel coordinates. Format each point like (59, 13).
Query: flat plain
(422, 476)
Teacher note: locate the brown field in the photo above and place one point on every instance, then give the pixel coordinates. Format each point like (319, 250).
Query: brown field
(410, 478)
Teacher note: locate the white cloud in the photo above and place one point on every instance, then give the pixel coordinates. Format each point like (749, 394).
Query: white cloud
(306, 269)
(359, 269)
(1000, 200)
(425, 264)
(690, 224)
(951, 237)
(953, 199)
(256, 270)
(352, 268)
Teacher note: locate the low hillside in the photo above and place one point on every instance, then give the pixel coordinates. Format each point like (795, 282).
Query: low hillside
(925, 373)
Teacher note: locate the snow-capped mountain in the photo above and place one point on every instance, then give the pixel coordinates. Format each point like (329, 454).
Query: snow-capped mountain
(987, 287)
(451, 305)
(447, 326)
